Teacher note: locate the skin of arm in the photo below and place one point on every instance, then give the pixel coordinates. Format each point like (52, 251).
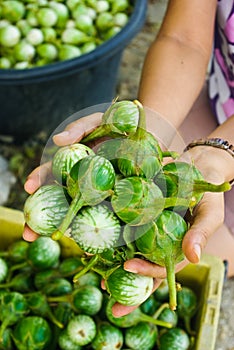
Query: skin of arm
(176, 63)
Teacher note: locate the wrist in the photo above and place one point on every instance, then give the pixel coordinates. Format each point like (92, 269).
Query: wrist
(215, 142)
(215, 164)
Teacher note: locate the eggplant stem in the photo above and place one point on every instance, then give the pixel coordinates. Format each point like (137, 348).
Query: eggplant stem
(100, 131)
(74, 207)
(188, 326)
(16, 267)
(141, 127)
(3, 326)
(150, 319)
(160, 309)
(54, 320)
(170, 268)
(203, 186)
(177, 201)
(60, 298)
(171, 154)
(86, 268)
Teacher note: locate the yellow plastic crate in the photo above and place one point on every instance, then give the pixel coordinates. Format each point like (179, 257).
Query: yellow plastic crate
(205, 278)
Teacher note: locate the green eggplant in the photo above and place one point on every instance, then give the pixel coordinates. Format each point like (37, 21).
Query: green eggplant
(141, 336)
(161, 242)
(184, 180)
(108, 337)
(121, 118)
(174, 339)
(32, 332)
(90, 181)
(140, 153)
(16, 251)
(132, 318)
(39, 306)
(187, 306)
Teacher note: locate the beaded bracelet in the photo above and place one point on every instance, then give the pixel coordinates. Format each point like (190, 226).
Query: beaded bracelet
(213, 142)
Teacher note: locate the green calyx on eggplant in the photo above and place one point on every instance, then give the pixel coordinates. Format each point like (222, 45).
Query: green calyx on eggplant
(103, 263)
(13, 306)
(121, 118)
(21, 282)
(140, 153)
(184, 180)
(109, 150)
(39, 306)
(161, 243)
(90, 181)
(92, 177)
(137, 201)
(32, 332)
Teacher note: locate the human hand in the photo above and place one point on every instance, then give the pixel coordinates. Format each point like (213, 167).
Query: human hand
(195, 238)
(206, 219)
(74, 132)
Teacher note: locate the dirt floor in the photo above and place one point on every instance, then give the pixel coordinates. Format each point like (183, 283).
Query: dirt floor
(22, 159)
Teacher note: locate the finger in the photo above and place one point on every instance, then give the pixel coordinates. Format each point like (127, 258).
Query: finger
(37, 177)
(75, 131)
(29, 235)
(103, 286)
(208, 216)
(145, 268)
(148, 268)
(119, 310)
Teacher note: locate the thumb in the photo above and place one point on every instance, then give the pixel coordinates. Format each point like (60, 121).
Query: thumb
(76, 130)
(206, 219)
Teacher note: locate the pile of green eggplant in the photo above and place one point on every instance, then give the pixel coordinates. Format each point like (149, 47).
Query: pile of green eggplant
(42, 308)
(125, 198)
(36, 33)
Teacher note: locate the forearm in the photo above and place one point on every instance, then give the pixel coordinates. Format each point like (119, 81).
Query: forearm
(225, 130)
(176, 63)
(172, 77)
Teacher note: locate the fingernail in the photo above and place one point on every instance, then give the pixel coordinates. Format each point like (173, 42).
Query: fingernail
(129, 269)
(197, 250)
(62, 134)
(29, 186)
